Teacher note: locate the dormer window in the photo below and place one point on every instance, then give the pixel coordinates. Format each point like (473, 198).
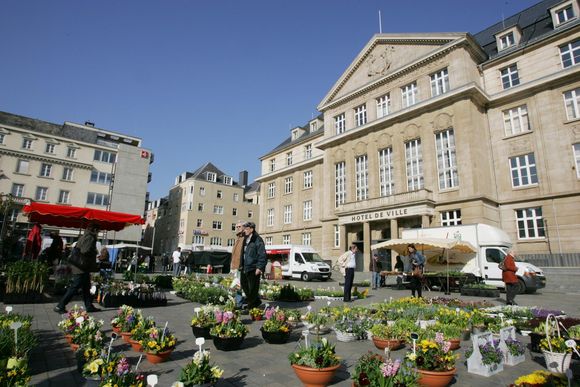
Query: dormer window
(211, 176)
(506, 41)
(272, 165)
(508, 38)
(313, 126)
(564, 13)
(228, 180)
(295, 134)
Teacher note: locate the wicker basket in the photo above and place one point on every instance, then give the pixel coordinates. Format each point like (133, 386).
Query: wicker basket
(555, 361)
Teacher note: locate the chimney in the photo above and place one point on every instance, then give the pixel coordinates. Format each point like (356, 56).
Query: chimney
(243, 181)
(89, 123)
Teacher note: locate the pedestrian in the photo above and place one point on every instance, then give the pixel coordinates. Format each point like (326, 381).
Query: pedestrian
(400, 269)
(238, 246)
(253, 264)
(87, 249)
(375, 269)
(349, 267)
(176, 256)
(508, 276)
(54, 252)
(165, 262)
(417, 261)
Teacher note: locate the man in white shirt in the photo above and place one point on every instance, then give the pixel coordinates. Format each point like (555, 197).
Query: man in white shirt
(176, 261)
(349, 273)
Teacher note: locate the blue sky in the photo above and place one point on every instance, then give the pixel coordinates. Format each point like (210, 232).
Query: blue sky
(199, 81)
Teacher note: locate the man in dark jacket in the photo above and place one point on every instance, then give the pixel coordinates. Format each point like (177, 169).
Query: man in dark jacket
(252, 264)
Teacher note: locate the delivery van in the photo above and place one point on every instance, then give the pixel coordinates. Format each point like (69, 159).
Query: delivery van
(298, 261)
(491, 244)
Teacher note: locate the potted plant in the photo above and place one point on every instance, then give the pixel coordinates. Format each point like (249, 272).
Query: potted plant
(122, 376)
(25, 281)
(315, 364)
(90, 349)
(451, 332)
(373, 370)
(556, 353)
(158, 345)
(347, 328)
(140, 332)
(85, 332)
(540, 378)
(293, 317)
(200, 371)
(100, 366)
(68, 324)
(387, 336)
(276, 329)
(229, 332)
(487, 361)
(122, 313)
(203, 320)
(515, 353)
(316, 323)
(256, 314)
(434, 361)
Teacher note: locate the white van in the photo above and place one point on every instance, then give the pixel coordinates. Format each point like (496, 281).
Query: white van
(299, 262)
(492, 245)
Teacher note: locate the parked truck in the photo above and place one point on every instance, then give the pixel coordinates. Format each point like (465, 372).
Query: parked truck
(298, 261)
(491, 244)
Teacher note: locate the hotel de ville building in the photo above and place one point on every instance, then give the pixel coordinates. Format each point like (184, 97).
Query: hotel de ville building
(435, 129)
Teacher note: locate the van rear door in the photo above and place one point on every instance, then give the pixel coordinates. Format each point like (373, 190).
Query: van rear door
(280, 255)
(491, 271)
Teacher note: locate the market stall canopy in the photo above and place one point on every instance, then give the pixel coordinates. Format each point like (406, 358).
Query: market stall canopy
(127, 245)
(79, 217)
(423, 244)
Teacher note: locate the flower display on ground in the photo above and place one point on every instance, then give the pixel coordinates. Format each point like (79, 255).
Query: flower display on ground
(200, 370)
(122, 376)
(541, 378)
(515, 347)
(87, 331)
(69, 323)
(205, 317)
(555, 344)
(228, 325)
(433, 355)
(320, 354)
(490, 353)
(123, 313)
(158, 340)
(373, 370)
(276, 320)
(99, 367)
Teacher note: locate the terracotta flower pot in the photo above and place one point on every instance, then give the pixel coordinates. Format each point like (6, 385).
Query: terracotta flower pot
(455, 344)
(126, 336)
(68, 338)
(136, 345)
(156, 358)
(391, 344)
(315, 377)
(435, 378)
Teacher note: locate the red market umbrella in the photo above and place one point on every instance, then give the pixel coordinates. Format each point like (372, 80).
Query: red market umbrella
(79, 217)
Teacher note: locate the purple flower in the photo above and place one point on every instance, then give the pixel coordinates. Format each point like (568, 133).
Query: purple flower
(439, 338)
(123, 366)
(390, 368)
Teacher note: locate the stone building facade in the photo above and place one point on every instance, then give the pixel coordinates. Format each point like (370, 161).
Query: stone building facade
(425, 130)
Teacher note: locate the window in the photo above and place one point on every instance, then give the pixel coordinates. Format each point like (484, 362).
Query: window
(289, 158)
(236, 197)
(340, 123)
(272, 165)
(383, 105)
(199, 223)
(17, 190)
(219, 194)
(451, 218)
(446, 159)
(2, 136)
(271, 190)
(286, 239)
(198, 240)
(516, 120)
(216, 225)
(270, 217)
(288, 185)
(288, 214)
(250, 213)
(313, 126)
(71, 152)
(64, 197)
(97, 199)
(13, 216)
(414, 162)
(41, 194)
(219, 210)
(231, 242)
(510, 77)
(523, 170)
(268, 241)
(576, 149)
(50, 148)
(530, 223)
(564, 15)
(308, 152)
(22, 166)
(67, 174)
(571, 99)
(215, 241)
(27, 144)
(339, 183)
(506, 41)
(362, 177)
(45, 170)
(105, 157)
(200, 207)
(307, 177)
(360, 115)
(386, 178)
(336, 236)
(409, 94)
(234, 212)
(439, 82)
(201, 191)
(570, 54)
(307, 210)
(228, 180)
(211, 176)
(306, 238)
(100, 177)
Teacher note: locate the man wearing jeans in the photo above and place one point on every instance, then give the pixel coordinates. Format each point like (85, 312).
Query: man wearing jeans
(349, 273)
(252, 265)
(176, 261)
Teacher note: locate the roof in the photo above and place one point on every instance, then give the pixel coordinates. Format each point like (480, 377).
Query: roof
(201, 173)
(307, 135)
(254, 187)
(534, 22)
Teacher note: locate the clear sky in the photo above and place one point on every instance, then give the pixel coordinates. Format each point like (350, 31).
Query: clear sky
(198, 81)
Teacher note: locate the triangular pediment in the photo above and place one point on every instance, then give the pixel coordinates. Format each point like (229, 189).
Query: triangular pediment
(384, 55)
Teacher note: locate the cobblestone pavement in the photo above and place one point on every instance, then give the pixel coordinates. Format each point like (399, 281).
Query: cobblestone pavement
(257, 363)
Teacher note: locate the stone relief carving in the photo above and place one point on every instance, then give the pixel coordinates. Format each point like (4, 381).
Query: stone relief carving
(378, 63)
(360, 148)
(338, 155)
(442, 121)
(384, 140)
(576, 133)
(410, 131)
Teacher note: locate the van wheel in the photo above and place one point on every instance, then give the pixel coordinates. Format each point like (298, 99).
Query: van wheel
(521, 286)
(305, 277)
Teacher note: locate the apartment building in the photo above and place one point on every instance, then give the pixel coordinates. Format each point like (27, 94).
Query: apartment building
(73, 164)
(433, 129)
(201, 210)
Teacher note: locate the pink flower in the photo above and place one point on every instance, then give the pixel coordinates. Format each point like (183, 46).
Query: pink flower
(446, 346)
(218, 316)
(390, 368)
(439, 338)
